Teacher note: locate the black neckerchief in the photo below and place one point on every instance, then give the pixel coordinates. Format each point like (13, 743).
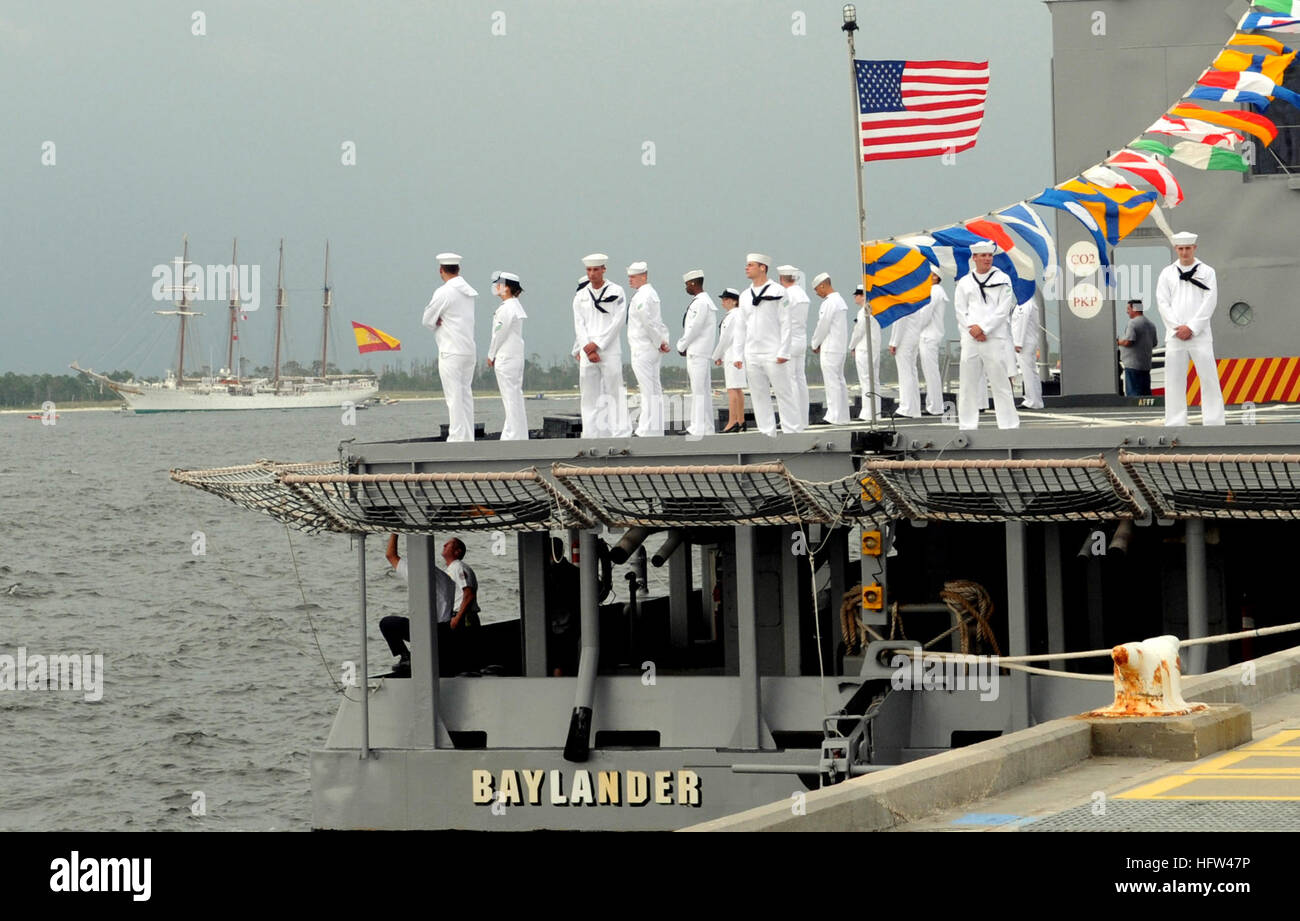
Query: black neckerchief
(759, 296)
(1187, 276)
(597, 300)
(582, 285)
(986, 284)
(688, 311)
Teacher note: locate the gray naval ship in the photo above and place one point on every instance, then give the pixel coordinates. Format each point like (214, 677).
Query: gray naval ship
(826, 555)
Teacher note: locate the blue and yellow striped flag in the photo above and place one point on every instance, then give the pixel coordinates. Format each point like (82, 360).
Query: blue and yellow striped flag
(896, 280)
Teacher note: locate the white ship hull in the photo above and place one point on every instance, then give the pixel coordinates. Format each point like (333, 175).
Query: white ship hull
(170, 400)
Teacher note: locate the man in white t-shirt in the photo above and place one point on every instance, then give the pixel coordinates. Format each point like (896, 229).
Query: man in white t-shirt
(397, 629)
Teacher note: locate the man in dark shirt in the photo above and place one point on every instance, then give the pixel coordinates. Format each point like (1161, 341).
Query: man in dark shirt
(1135, 348)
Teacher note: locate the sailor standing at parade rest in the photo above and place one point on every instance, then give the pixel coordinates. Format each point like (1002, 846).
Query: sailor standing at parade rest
(729, 354)
(450, 314)
(506, 354)
(1187, 292)
(983, 303)
(764, 335)
(798, 318)
(696, 343)
(598, 317)
(1024, 336)
(647, 339)
(931, 339)
(905, 346)
(830, 340)
(858, 346)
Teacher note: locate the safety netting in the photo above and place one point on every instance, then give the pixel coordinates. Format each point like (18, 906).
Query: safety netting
(684, 496)
(412, 503)
(1080, 489)
(257, 486)
(1251, 486)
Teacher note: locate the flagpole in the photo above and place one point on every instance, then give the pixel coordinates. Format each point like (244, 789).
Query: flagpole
(850, 26)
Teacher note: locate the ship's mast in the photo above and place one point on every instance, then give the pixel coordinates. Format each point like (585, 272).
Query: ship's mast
(181, 306)
(325, 320)
(234, 308)
(279, 314)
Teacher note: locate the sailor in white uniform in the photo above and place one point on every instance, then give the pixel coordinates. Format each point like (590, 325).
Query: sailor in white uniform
(983, 302)
(764, 335)
(1187, 293)
(599, 312)
(696, 343)
(858, 345)
(905, 346)
(1024, 336)
(729, 354)
(506, 354)
(798, 314)
(450, 314)
(647, 340)
(830, 341)
(932, 336)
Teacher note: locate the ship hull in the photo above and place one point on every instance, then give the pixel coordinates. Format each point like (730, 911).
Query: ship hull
(173, 401)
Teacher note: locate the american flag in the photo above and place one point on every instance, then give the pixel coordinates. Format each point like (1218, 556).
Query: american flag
(920, 108)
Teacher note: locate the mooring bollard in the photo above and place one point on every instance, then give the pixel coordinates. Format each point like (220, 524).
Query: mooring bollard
(1148, 680)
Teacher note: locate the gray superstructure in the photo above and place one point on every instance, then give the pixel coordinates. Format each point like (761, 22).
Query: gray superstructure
(1117, 65)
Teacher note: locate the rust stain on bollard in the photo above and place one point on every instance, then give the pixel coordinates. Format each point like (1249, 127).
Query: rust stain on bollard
(1147, 681)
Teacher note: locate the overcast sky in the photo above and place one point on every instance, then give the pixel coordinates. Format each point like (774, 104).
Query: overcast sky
(521, 151)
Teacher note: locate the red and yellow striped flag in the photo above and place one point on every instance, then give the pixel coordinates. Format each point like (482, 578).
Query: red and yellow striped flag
(1251, 380)
(370, 339)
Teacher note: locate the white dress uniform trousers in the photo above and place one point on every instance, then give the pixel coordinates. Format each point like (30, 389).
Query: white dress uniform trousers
(798, 313)
(831, 338)
(1188, 297)
(905, 339)
(598, 317)
(857, 345)
(450, 314)
(698, 334)
(764, 333)
(645, 333)
(931, 341)
(985, 302)
(506, 353)
(1024, 336)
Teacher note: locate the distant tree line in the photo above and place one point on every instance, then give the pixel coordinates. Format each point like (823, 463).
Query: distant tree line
(31, 390)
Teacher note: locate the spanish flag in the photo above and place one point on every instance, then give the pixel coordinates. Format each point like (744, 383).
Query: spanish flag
(370, 339)
(1249, 122)
(896, 280)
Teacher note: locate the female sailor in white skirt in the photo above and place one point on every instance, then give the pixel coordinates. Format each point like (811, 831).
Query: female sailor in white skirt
(732, 359)
(506, 354)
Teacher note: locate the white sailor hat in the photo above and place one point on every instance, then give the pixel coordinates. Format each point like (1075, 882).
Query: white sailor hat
(1184, 239)
(759, 258)
(824, 276)
(731, 293)
(860, 290)
(787, 270)
(594, 260)
(985, 247)
(505, 276)
(638, 268)
(694, 274)
(448, 259)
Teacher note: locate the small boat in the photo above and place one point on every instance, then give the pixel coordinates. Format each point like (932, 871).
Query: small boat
(538, 396)
(42, 416)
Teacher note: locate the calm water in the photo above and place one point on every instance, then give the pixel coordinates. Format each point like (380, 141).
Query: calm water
(213, 680)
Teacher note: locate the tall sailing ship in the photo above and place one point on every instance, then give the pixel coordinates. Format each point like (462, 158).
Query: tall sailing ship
(227, 389)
